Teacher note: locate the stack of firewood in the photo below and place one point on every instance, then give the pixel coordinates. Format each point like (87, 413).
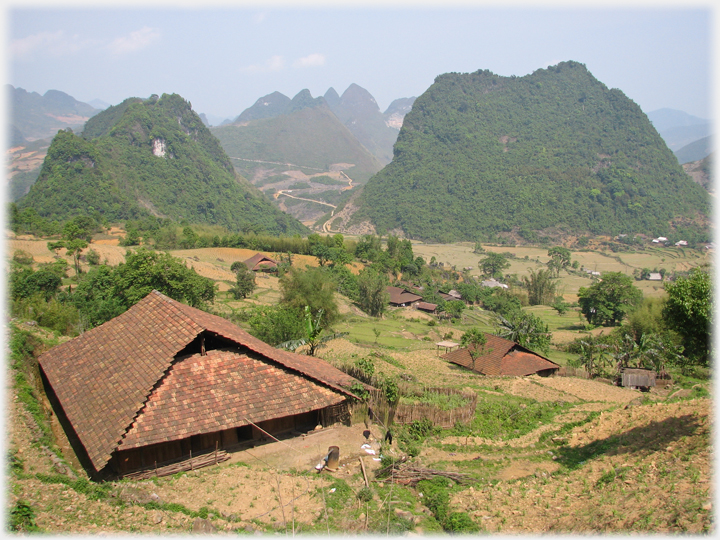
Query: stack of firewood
(402, 472)
(211, 458)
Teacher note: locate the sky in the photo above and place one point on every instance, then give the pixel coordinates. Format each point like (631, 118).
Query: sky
(223, 58)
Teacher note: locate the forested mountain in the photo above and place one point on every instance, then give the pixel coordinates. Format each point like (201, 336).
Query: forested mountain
(38, 117)
(150, 157)
(480, 154)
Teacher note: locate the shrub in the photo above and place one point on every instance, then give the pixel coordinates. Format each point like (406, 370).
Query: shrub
(22, 517)
(460, 522)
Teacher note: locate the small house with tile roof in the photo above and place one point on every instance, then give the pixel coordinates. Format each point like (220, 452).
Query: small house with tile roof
(502, 357)
(164, 380)
(261, 263)
(402, 297)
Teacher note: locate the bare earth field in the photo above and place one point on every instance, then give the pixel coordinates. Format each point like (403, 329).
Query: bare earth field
(632, 454)
(613, 460)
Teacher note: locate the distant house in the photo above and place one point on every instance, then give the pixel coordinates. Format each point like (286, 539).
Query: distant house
(401, 297)
(164, 381)
(261, 263)
(502, 357)
(455, 294)
(681, 243)
(426, 307)
(654, 276)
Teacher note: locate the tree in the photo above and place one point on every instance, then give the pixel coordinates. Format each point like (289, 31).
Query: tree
(525, 329)
(276, 324)
(609, 300)
(322, 252)
(372, 291)
(145, 271)
(454, 308)
(244, 281)
(475, 341)
(310, 287)
(493, 264)
(541, 287)
(688, 311)
(559, 259)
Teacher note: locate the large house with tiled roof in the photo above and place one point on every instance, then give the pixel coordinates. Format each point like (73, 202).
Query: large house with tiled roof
(164, 380)
(502, 357)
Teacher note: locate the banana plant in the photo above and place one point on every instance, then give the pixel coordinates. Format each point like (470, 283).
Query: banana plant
(313, 334)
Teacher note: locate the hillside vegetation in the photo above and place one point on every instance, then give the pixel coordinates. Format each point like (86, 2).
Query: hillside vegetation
(481, 154)
(146, 158)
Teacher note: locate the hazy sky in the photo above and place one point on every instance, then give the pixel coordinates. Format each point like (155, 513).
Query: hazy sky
(223, 59)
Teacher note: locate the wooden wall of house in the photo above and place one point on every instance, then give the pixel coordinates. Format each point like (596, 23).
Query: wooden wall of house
(162, 453)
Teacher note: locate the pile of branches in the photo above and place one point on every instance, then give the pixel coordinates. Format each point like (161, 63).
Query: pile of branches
(211, 458)
(403, 472)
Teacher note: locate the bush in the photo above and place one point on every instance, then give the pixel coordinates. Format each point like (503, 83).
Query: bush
(22, 518)
(92, 257)
(460, 522)
(365, 494)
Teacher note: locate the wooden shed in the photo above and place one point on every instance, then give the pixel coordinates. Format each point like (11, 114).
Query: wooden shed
(164, 380)
(642, 379)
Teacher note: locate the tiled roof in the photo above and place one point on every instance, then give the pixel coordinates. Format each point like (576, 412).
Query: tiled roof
(221, 390)
(426, 306)
(103, 377)
(501, 357)
(401, 296)
(259, 260)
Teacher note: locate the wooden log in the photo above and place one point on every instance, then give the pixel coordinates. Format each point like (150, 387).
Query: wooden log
(362, 465)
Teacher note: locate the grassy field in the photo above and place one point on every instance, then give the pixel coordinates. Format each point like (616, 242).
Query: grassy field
(407, 329)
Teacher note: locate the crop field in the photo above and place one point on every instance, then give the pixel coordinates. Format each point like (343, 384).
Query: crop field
(557, 455)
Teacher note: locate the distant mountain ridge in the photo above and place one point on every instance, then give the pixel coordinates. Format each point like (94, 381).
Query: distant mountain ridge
(695, 151)
(480, 154)
(36, 117)
(356, 109)
(678, 128)
(150, 157)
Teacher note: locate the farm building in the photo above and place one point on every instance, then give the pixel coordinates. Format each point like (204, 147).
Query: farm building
(164, 380)
(502, 357)
(426, 307)
(261, 263)
(402, 297)
(639, 378)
